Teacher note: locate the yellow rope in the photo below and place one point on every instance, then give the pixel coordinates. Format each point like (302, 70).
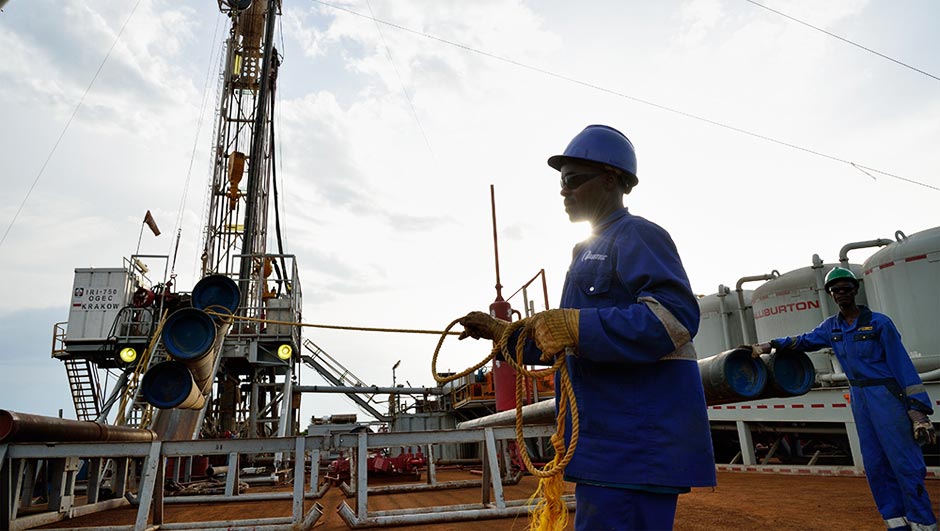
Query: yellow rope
(332, 327)
(550, 512)
(133, 383)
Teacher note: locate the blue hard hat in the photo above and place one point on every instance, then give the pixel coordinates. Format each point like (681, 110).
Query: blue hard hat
(601, 144)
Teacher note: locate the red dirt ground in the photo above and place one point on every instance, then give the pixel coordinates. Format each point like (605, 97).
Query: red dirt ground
(741, 501)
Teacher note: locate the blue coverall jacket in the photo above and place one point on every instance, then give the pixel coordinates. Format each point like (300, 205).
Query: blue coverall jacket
(643, 419)
(884, 385)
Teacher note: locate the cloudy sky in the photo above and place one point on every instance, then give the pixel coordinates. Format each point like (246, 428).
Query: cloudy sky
(392, 130)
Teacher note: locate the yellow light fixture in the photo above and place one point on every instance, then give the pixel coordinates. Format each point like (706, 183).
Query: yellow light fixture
(285, 352)
(128, 355)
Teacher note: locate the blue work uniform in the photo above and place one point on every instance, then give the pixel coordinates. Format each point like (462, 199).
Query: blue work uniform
(884, 385)
(643, 423)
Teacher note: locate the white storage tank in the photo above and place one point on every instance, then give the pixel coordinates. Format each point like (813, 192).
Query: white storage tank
(795, 303)
(720, 324)
(903, 282)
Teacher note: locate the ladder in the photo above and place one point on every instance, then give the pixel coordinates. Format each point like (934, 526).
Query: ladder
(334, 372)
(139, 414)
(83, 382)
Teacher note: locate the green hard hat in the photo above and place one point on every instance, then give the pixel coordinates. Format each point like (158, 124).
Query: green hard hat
(840, 273)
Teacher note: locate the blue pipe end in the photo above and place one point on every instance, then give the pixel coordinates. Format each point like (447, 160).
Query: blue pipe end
(188, 334)
(793, 372)
(747, 376)
(166, 385)
(216, 290)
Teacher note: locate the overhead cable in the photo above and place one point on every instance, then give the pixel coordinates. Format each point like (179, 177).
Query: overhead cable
(192, 157)
(843, 39)
(278, 150)
(67, 124)
(627, 96)
(401, 82)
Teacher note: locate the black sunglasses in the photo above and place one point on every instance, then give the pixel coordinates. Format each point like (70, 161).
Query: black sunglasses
(573, 181)
(841, 289)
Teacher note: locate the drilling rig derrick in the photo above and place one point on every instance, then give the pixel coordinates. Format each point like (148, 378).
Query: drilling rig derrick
(253, 394)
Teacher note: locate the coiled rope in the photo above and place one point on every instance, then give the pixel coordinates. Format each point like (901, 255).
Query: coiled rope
(550, 512)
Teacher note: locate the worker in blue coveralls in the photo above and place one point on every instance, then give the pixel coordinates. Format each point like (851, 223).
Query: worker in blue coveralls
(889, 402)
(627, 316)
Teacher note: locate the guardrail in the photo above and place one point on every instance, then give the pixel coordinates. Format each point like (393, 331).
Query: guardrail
(139, 468)
(135, 474)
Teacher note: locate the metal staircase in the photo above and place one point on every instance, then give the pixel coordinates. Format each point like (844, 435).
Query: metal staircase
(83, 382)
(334, 372)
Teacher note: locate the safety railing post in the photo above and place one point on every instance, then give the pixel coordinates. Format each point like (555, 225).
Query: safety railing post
(151, 470)
(362, 483)
(496, 479)
(297, 512)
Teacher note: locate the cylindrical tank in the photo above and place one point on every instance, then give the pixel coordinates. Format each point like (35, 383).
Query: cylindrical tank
(732, 376)
(903, 282)
(791, 304)
(504, 376)
(719, 326)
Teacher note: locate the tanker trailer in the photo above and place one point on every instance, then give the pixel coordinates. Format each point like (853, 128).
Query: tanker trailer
(719, 326)
(795, 303)
(903, 282)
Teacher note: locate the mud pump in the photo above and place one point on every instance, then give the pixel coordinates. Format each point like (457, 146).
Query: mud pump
(405, 464)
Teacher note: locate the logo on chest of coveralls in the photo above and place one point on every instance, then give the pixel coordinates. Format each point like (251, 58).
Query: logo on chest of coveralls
(593, 256)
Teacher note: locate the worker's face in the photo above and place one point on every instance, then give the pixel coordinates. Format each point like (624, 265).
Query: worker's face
(843, 292)
(587, 190)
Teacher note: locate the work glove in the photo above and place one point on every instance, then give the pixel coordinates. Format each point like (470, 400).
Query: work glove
(553, 330)
(479, 325)
(754, 350)
(924, 432)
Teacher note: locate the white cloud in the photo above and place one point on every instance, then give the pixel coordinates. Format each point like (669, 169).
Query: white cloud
(699, 18)
(389, 213)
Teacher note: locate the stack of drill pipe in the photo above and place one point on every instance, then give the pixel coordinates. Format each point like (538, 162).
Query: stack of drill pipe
(733, 376)
(730, 376)
(193, 340)
(23, 427)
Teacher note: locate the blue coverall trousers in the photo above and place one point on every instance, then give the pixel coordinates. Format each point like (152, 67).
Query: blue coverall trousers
(894, 463)
(613, 509)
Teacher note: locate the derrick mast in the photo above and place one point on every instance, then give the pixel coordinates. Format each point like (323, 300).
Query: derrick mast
(201, 373)
(237, 221)
(259, 360)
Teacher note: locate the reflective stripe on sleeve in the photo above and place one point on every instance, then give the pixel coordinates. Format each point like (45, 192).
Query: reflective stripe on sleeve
(914, 389)
(679, 334)
(685, 352)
